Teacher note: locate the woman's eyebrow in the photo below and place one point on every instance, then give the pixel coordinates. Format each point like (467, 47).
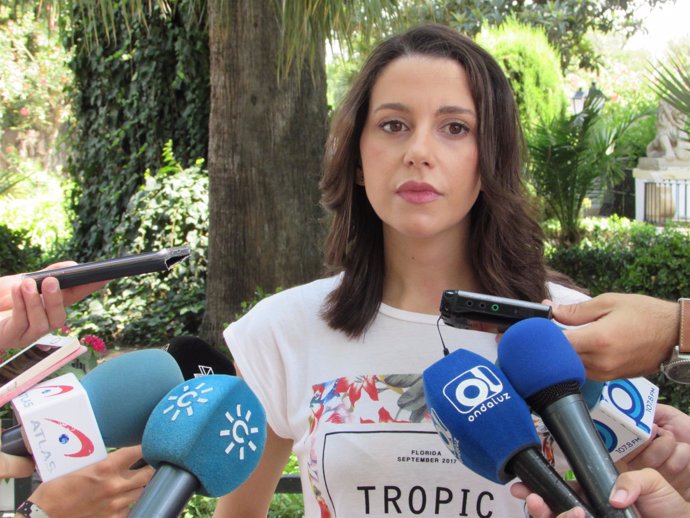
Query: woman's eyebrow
(441, 111)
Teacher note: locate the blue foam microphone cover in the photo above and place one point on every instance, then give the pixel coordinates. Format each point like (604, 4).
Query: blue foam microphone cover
(535, 354)
(478, 413)
(212, 427)
(125, 389)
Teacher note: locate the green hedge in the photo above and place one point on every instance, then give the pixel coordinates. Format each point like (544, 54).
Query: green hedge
(627, 256)
(631, 257)
(17, 254)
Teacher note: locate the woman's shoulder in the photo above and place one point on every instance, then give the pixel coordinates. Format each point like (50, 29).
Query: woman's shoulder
(305, 297)
(564, 295)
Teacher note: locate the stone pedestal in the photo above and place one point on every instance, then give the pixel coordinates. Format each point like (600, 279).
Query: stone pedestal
(657, 185)
(662, 164)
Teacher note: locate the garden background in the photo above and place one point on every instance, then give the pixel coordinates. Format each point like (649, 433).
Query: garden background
(127, 128)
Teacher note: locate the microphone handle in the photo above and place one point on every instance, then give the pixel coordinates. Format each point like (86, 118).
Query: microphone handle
(13, 442)
(540, 477)
(569, 422)
(166, 494)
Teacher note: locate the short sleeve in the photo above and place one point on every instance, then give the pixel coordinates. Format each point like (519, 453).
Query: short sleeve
(254, 346)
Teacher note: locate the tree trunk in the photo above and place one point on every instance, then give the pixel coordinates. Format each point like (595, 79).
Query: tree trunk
(265, 148)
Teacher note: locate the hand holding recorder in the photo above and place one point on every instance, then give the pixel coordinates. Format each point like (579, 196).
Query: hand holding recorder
(25, 315)
(29, 310)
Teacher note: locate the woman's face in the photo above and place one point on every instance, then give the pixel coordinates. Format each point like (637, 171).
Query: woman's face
(419, 147)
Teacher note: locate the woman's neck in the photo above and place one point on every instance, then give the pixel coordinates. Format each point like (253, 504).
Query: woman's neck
(418, 271)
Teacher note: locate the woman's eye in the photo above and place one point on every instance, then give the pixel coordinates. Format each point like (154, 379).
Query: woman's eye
(457, 128)
(393, 126)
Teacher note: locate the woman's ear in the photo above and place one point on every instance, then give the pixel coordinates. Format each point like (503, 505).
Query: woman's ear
(359, 176)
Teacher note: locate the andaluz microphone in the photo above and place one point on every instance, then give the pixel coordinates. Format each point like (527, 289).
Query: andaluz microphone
(489, 428)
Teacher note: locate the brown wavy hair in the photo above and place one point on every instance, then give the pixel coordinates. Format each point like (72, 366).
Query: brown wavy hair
(506, 241)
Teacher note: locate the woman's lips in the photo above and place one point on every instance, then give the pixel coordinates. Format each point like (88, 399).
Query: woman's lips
(418, 193)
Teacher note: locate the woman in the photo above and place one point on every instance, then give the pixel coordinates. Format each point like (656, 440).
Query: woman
(422, 177)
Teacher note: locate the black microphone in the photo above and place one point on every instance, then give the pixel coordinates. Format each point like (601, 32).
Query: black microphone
(546, 371)
(489, 428)
(198, 358)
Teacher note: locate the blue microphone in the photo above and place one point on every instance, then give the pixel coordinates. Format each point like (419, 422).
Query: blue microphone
(489, 428)
(546, 371)
(206, 436)
(122, 391)
(125, 389)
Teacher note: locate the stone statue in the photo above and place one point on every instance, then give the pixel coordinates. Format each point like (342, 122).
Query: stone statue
(671, 141)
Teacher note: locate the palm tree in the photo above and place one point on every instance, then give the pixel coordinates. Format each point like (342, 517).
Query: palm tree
(568, 154)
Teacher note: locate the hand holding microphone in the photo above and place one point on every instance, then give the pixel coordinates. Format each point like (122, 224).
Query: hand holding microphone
(648, 489)
(15, 466)
(669, 451)
(106, 489)
(206, 436)
(627, 335)
(546, 371)
(488, 426)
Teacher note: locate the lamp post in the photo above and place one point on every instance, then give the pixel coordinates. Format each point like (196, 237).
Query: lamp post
(580, 97)
(578, 100)
(595, 93)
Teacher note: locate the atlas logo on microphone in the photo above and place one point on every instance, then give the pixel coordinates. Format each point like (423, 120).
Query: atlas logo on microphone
(54, 390)
(475, 391)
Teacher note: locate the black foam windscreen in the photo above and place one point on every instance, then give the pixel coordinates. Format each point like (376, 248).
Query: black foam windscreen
(198, 358)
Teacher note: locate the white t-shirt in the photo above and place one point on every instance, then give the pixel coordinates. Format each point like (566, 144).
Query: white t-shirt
(355, 409)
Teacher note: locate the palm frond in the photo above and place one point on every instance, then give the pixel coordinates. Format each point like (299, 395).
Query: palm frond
(9, 180)
(307, 24)
(671, 81)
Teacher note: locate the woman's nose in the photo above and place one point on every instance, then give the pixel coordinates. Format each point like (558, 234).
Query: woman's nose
(418, 153)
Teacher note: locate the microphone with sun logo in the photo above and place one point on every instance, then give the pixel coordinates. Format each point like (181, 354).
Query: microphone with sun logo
(205, 436)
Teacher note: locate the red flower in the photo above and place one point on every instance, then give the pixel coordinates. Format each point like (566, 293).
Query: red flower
(386, 417)
(342, 385)
(94, 342)
(23, 111)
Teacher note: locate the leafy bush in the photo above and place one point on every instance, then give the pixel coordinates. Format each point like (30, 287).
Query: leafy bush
(532, 66)
(617, 254)
(17, 254)
(170, 209)
(37, 206)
